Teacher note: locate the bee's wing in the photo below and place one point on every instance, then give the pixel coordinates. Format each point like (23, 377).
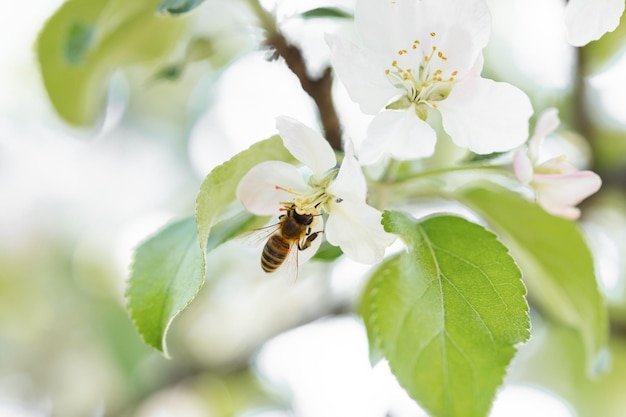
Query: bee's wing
(290, 266)
(256, 237)
(296, 256)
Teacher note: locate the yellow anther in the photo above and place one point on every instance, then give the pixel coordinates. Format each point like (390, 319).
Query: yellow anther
(455, 73)
(394, 63)
(387, 71)
(433, 34)
(414, 46)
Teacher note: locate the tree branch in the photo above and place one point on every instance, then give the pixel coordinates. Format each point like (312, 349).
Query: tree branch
(318, 89)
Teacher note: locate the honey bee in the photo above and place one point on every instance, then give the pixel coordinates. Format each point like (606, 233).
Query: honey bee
(292, 234)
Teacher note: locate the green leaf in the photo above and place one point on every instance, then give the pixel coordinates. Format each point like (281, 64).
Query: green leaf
(448, 314)
(85, 41)
(79, 40)
(365, 310)
(327, 252)
(166, 275)
(556, 262)
(217, 191)
(198, 49)
(170, 72)
(178, 6)
(169, 271)
(326, 12)
(554, 361)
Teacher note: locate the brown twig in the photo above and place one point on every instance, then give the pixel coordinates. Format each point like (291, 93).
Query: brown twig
(319, 89)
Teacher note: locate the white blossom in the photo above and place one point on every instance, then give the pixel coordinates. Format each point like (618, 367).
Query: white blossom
(559, 186)
(588, 20)
(323, 189)
(425, 55)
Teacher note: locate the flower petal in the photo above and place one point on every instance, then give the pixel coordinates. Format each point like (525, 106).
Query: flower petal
(350, 182)
(588, 20)
(308, 146)
(399, 133)
(486, 116)
(547, 123)
(522, 166)
(389, 26)
(470, 16)
(461, 29)
(355, 227)
(257, 189)
(382, 25)
(362, 74)
(557, 194)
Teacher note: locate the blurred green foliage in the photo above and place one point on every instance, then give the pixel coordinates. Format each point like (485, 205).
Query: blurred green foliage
(63, 326)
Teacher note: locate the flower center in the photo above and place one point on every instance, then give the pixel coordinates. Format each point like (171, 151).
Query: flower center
(315, 198)
(422, 77)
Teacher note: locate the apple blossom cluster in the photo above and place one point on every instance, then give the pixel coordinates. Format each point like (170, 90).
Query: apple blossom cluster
(423, 56)
(415, 58)
(319, 188)
(558, 185)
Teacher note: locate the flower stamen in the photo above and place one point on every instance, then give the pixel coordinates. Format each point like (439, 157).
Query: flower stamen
(423, 83)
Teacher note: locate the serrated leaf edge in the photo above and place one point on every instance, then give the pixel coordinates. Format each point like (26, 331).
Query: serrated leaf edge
(163, 345)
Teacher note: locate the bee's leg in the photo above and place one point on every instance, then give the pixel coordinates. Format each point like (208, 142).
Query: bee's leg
(309, 239)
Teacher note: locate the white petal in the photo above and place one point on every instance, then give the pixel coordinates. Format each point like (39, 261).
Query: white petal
(486, 116)
(470, 16)
(559, 165)
(461, 31)
(557, 194)
(399, 133)
(588, 20)
(308, 146)
(350, 183)
(547, 123)
(522, 166)
(257, 189)
(356, 228)
(382, 25)
(362, 74)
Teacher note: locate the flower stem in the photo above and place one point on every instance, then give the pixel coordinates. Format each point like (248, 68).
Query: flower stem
(318, 89)
(425, 184)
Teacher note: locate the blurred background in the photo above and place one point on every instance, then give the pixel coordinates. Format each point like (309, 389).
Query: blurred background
(75, 202)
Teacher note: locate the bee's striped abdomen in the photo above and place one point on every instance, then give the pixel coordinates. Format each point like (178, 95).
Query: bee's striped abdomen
(274, 253)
